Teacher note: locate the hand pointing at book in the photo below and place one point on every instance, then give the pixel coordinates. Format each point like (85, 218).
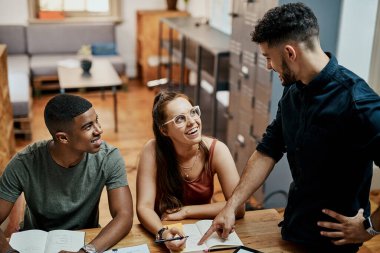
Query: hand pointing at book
(223, 225)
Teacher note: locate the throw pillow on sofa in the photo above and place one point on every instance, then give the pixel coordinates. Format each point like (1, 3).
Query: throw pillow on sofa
(103, 49)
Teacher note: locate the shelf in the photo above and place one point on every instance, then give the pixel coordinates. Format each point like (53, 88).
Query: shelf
(209, 44)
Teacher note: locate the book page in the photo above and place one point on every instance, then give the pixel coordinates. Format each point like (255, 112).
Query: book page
(214, 241)
(68, 240)
(143, 248)
(30, 241)
(194, 236)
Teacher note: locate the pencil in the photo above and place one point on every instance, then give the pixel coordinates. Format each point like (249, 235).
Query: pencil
(171, 239)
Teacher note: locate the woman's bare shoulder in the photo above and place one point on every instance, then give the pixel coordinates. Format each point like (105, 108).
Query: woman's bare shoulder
(149, 146)
(208, 141)
(218, 145)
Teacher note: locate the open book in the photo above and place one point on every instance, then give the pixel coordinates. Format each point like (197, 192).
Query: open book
(38, 241)
(197, 230)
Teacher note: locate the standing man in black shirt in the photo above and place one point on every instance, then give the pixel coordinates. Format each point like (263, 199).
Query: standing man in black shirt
(328, 124)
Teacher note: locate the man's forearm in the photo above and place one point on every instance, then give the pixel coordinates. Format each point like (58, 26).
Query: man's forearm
(258, 167)
(4, 245)
(15, 216)
(113, 232)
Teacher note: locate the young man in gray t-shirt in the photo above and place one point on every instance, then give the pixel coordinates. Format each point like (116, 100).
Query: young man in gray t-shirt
(62, 179)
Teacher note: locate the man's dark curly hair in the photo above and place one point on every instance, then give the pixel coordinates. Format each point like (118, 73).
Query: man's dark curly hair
(288, 22)
(61, 110)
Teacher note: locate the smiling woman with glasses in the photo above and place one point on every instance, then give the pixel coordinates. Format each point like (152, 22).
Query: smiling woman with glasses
(176, 171)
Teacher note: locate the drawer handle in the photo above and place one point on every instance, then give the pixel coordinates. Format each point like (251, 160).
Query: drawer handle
(240, 140)
(233, 14)
(244, 72)
(228, 115)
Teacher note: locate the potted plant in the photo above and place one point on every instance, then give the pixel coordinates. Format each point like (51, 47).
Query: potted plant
(85, 57)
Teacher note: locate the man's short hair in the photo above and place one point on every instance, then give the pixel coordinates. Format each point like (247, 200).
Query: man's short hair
(61, 110)
(288, 22)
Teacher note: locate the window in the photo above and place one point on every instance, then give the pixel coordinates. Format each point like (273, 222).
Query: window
(74, 10)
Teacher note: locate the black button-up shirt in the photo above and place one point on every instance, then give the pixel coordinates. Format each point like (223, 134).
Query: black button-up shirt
(330, 130)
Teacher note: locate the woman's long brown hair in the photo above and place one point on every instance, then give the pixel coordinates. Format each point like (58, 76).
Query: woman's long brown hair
(169, 187)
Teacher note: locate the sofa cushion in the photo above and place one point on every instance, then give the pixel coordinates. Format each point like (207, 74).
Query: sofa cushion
(66, 38)
(46, 65)
(14, 37)
(103, 49)
(19, 94)
(18, 63)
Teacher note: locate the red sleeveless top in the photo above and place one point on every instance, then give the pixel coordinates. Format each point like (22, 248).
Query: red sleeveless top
(200, 190)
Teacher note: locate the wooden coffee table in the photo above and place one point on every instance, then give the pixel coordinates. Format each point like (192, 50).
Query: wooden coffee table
(103, 75)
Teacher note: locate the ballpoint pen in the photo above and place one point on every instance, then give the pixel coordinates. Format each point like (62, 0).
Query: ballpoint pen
(171, 239)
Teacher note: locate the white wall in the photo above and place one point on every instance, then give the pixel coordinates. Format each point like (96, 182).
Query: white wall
(126, 32)
(197, 8)
(219, 15)
(14, 12)
(376, 178)
(357, 27)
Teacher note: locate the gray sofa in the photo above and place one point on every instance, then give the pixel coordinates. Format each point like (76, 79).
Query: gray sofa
(50, 43)
(14, 36)
(35, 50)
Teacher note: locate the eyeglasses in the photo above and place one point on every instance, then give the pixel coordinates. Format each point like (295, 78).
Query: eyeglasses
(181, 119)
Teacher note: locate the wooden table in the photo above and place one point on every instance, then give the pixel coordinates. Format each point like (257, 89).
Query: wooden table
(258, 230)
(103, 75)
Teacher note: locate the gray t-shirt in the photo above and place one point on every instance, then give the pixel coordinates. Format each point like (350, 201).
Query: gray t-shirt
(57, 197)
